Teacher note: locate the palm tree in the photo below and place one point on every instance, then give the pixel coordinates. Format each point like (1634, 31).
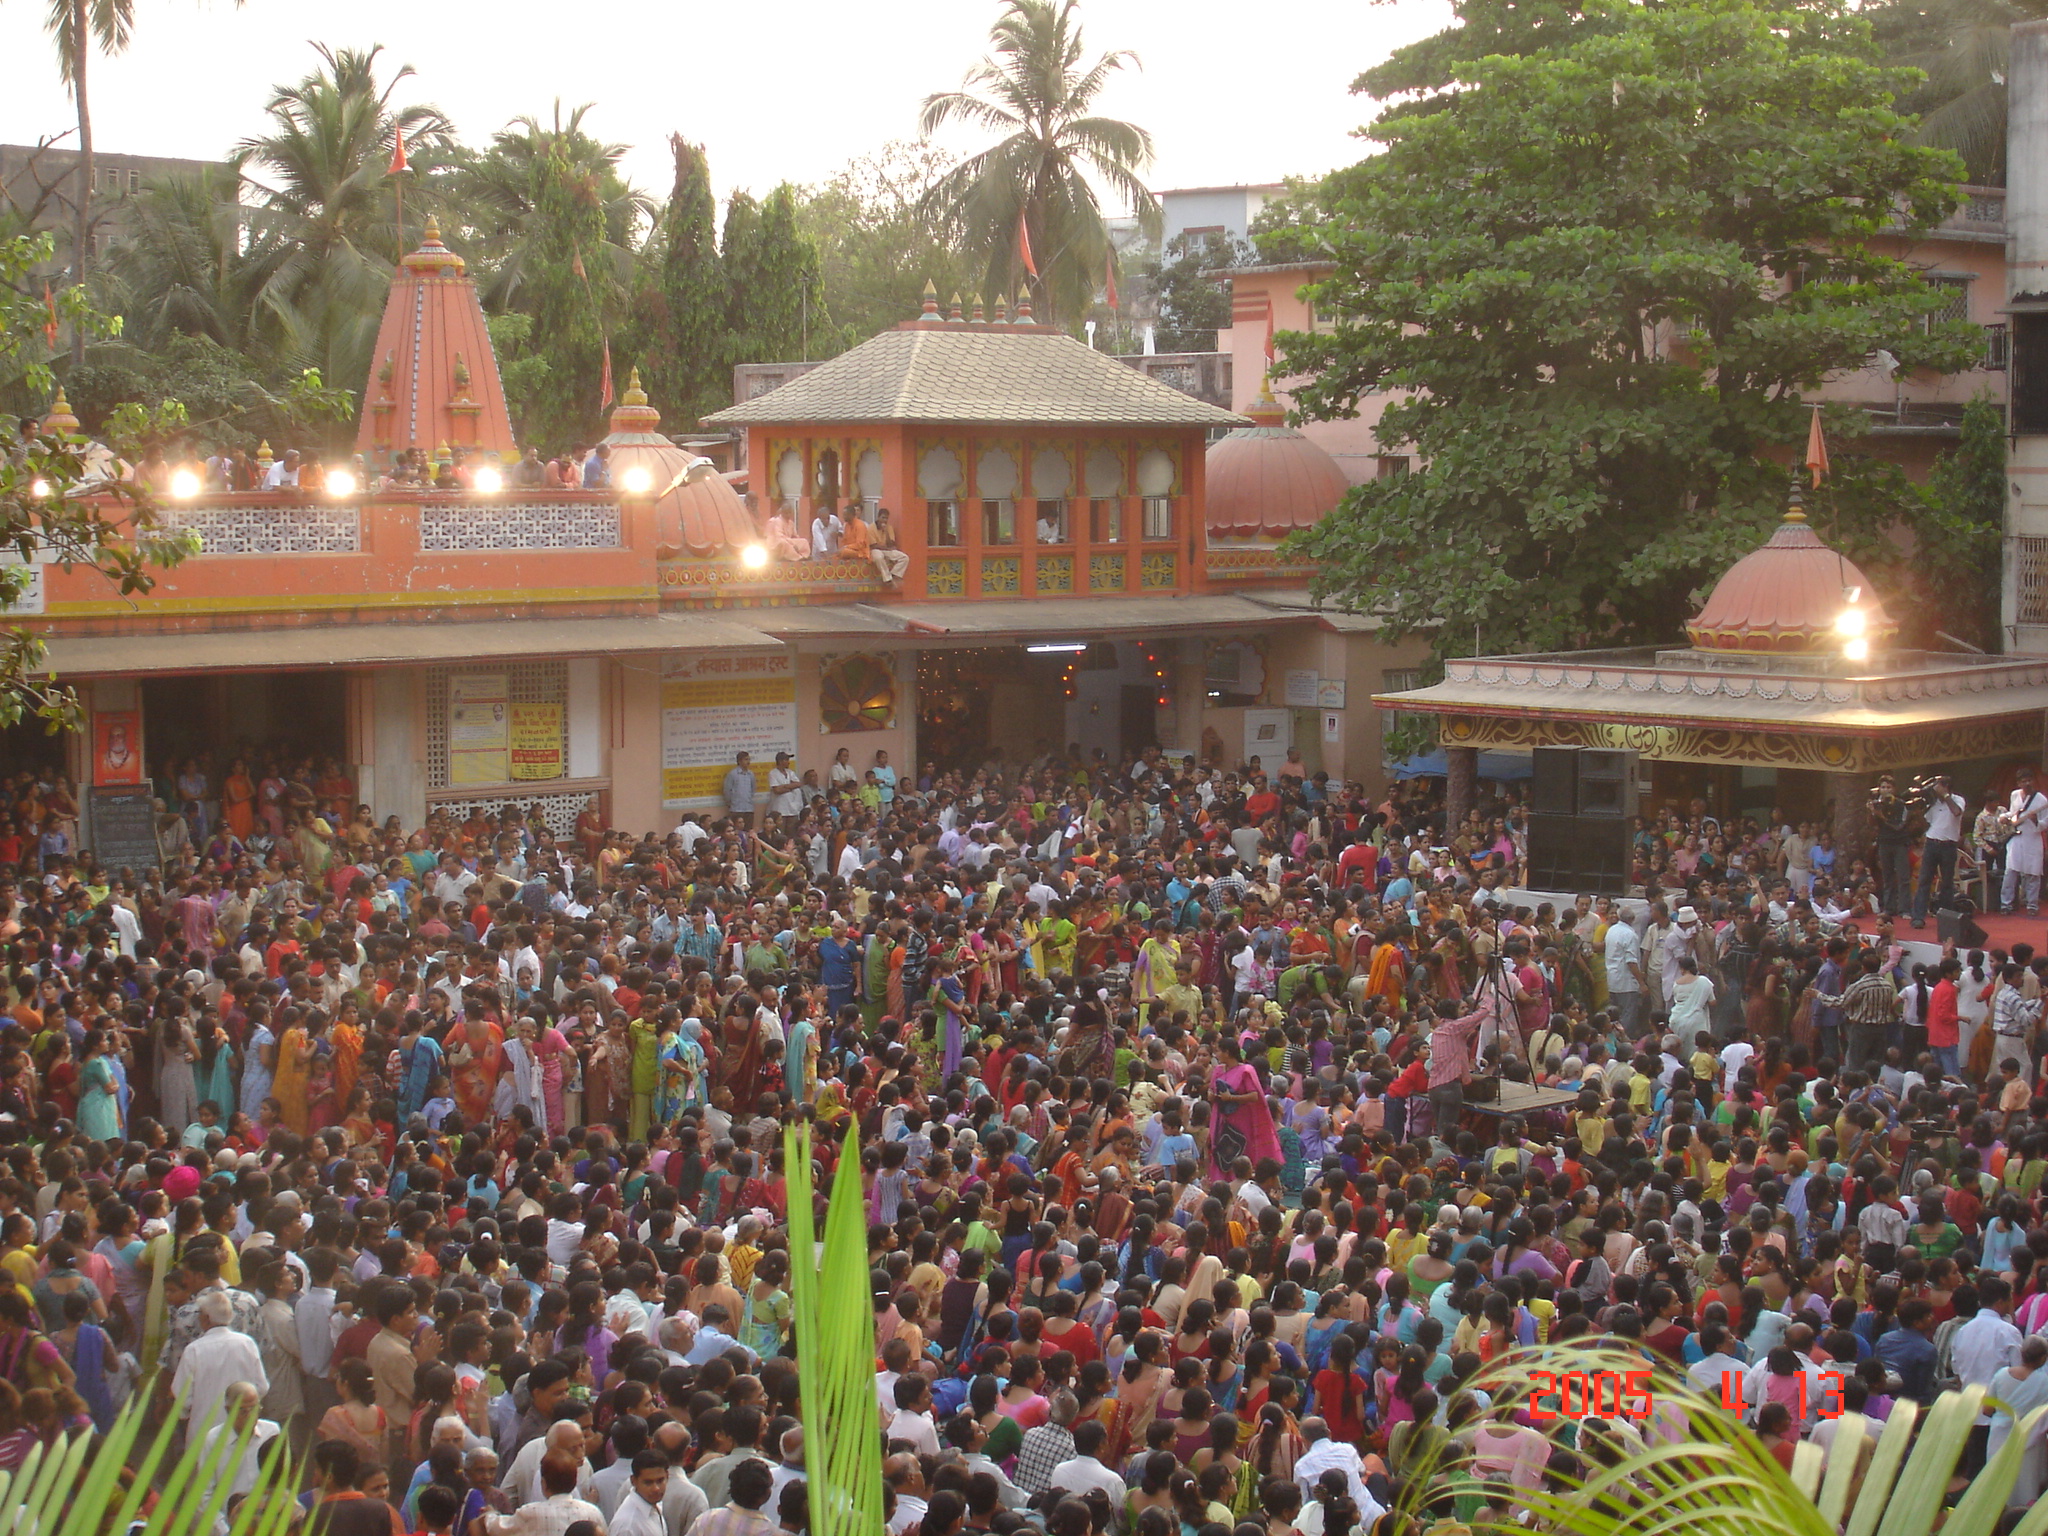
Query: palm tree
(77, 26)
(324, 173)
(1035, 92)
(492, 196)
(194, 261)
(1963, 47)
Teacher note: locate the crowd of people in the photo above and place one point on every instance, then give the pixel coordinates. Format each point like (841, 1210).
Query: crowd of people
(451, 1158)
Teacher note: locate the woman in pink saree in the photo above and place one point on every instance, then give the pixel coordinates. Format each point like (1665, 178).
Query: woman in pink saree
(551, 1051)
(1243, 1126)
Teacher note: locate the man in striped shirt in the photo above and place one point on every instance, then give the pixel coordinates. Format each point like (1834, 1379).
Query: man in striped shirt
(1869, 1007)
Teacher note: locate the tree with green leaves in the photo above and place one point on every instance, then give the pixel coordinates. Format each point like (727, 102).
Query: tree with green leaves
(1962, 46)
(54, 504)
(1036, 93)
(782, 308)
(325, 164)
(1957, 562)
(680, 305)
(1596, 279)
(572, 294)
(739, 257)
(1174, 284)
(876, 250)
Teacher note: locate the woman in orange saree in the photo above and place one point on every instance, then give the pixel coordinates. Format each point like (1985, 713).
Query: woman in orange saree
(347, 1039)
(476, 1059)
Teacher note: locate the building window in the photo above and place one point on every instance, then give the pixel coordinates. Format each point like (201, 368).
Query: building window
(1106, 520)
(536, 682)
(942, 524)
(1052, 522)
(998, 521)
(135, 181)
(2030, 581)
(1997, 345)
(1391, 466)
(1955, 302)
(1158, 517)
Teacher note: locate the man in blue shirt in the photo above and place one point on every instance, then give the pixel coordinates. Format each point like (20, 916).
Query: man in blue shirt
(1908, 1350)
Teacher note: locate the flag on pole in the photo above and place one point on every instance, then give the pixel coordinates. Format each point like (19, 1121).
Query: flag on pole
(1816, 449)
(398, 161)
(605, 384)
(1109, 276)
(1269, 334)
(50, 325)
(1024, 246)
(576, 266)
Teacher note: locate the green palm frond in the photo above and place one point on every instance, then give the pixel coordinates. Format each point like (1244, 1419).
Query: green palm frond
(835, 1338)
(101, 1484)
(1702, 1473)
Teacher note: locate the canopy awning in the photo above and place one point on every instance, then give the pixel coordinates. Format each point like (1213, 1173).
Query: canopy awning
(1047, 618)
(274, 650)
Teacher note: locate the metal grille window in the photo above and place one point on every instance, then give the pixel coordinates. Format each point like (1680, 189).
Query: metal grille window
(1955, 302)
(532, 682)
(942, 527)
(2030, 580)
(998, 521)
(1997, 346)
(1158, 514)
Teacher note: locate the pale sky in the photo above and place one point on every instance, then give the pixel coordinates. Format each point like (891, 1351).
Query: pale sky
(775, 89)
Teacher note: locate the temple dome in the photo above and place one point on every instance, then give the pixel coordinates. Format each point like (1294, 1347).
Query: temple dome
(696, 509)
(1785, 596)
(1267, 480)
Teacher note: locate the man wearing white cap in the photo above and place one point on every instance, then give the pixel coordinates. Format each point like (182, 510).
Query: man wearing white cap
(1680, 939)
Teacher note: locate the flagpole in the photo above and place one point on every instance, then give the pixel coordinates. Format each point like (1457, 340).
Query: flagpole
(398, 195)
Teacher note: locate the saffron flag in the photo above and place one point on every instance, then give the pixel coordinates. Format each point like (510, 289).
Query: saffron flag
(50, 325)
(1816, 449)
(1269, 334)
(1024, 246)
(604, 387)
(398, 160)
(1109, 276)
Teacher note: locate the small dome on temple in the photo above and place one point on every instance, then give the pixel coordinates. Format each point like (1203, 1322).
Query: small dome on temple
(696, 509)
(433, 256)
(1785, 598)
(60, 422)
(1268, 479)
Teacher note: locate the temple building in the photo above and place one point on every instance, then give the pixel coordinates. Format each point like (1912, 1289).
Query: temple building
(1090, 558)
(1792, 694)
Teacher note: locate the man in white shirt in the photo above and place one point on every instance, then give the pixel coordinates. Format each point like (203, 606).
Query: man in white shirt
(1623, 951)
(1988, 1342)
(1084, 1469)
(1325, 1455)
(639, 1512)
(214, 1363)
(826, 531)
(1938, 854)
(244, 1409)
(1734, 1057)
(912, 1421)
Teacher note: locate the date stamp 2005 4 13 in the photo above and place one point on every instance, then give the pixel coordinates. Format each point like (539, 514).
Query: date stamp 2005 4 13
(1626, 1394)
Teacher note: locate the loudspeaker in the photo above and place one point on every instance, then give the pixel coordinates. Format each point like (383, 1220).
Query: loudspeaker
(1960, 928)
(1607, 783)
(1554, 781)
(1579, 853)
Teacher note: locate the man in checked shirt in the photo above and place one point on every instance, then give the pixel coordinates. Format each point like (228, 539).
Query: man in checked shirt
(1869, 1005)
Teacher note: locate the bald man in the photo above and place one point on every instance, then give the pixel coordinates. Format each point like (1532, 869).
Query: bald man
(213, 1363)
(242, 1415)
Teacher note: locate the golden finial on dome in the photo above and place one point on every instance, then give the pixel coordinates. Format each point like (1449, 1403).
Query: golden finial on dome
(634, 394)
(931, 301)
(263, 455)
(433, 231)
(953, 311)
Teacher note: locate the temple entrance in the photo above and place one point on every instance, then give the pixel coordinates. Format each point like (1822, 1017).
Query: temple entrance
(257, 716)
(1025, 699)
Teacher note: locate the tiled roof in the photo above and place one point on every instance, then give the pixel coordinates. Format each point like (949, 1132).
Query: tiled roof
(948, 373)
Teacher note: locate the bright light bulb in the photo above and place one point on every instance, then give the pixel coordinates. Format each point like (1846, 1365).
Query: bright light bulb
(1857, 649)
(754, 556)
(488, 481)
(340, 483)
(1851, 623)
(40, 489)
(184, 484)
(637, 481)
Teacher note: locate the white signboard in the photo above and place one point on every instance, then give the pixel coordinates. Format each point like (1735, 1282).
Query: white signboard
(716, 706)
(1330, 693)
(1268, 733)
(1301, 690)
(479, 729)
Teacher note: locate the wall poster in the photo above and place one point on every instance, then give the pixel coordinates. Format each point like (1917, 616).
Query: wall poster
(716, 705)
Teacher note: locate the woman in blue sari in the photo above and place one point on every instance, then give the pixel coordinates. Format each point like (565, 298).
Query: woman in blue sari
(681, 1060)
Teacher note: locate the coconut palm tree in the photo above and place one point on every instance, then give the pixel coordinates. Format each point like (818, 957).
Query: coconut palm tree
(1963, 47)
(492, 195)
(193, 261)
(77, 27)
(1036, 93)
(323, 170)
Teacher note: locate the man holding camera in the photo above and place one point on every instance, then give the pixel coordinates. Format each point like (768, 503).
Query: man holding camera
(1892, 818)
(1944, 811)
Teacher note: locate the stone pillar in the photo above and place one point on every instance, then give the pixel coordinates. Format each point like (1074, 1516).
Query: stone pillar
(1461, 789)
(1849, 805)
